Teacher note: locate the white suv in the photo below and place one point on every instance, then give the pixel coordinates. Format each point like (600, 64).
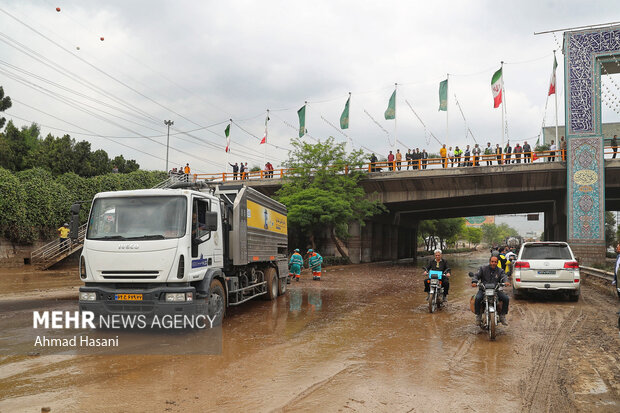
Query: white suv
(549, 266)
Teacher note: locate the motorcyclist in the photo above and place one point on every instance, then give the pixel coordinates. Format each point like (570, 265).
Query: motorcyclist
(491, 274)
(438, 264)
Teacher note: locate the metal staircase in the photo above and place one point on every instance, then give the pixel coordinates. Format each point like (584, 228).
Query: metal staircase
(54, 252)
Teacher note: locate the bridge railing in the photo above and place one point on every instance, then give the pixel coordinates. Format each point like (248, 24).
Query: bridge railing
(414, 164)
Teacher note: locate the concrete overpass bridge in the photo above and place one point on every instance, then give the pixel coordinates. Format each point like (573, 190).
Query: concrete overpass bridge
(415, 195)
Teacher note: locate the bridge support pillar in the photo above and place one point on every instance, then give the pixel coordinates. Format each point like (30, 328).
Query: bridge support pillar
(367, 242)
(355, 243)
(585, 52)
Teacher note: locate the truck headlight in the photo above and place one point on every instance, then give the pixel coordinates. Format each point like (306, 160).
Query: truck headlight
(88, 296)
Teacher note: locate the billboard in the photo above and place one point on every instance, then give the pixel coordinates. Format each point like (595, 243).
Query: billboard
(479, 220)
(264, 218)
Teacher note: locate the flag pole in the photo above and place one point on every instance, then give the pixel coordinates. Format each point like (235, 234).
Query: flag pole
(556, 102)
(447, 105)
(395, 119)
(265, 148)
(503, 103)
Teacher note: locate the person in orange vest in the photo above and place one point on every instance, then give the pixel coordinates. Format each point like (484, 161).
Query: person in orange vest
(314, 262)
(295, 265)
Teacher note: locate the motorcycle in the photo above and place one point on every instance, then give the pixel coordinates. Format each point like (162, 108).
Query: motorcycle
(435, 295)
(490, 314)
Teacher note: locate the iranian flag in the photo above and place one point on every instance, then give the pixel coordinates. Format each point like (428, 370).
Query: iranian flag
(497, 86)
(552, 82)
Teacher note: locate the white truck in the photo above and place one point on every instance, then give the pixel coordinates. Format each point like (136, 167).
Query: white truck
(182, 251)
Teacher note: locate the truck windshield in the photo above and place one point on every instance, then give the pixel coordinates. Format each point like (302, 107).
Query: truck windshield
(138, 218)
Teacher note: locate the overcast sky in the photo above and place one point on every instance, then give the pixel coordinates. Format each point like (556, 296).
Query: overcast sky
(201, 63)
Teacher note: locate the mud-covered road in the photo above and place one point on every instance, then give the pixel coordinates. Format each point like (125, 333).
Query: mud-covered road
(361, 339)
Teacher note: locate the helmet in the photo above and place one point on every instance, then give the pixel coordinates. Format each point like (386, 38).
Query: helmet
(296, 249)
(65, 225)
(310, 250)
(495, 253)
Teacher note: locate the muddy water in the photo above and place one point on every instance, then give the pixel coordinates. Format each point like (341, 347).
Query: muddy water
(360, 339)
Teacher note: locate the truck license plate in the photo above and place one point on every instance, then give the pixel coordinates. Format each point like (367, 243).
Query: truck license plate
(128, 297)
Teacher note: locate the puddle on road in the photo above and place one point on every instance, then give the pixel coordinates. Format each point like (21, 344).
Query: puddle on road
(27, 279)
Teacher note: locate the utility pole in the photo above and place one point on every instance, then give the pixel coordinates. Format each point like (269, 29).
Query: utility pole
(168, 123)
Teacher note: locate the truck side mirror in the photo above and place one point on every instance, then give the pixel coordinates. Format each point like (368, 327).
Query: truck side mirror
(74, 225)
(211, 221)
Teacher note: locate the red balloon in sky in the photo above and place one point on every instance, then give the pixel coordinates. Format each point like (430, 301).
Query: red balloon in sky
(101, 38)
(58, 9)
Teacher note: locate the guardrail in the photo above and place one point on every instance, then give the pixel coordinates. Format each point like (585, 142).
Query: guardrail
(405, 164)
(606, 275)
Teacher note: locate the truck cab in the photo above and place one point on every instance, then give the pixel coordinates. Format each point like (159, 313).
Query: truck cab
(161, 252)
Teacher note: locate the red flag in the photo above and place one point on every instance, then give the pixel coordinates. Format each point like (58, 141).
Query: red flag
(534, 157)
(264, 140)
(552, 81)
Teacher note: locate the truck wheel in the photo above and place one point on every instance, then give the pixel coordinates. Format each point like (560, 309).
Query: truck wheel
(282, 285)
(574, 296)
(271, 276)
(216, 304)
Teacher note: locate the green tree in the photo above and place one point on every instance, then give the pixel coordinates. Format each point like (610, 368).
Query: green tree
(473, 235)
(5, 103)
(497, 234)
(322, 191)
(610, 228)
(15, 145)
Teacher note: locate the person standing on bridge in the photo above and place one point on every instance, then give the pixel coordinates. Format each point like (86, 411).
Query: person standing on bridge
(614, 144)
(466, 156)
(443, 153)
(507, 152)
(518, 152)
(451, 156)
(373, 161)
(498, 152)
(527, 153)
(457, 156)
(390, 159)
(399, 158)
(437, 264)
(552, 148)
(563, 148)
(488, 151)
(235, 169)
(409, 159)
(424, 156)
(314, 262)
(186, 172)
(416, 159)
(476, 153)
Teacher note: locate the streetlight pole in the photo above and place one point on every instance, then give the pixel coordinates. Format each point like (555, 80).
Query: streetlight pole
(168, 123)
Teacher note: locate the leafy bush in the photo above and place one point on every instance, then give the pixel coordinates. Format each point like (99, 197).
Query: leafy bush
(327, 261)
(34, 203)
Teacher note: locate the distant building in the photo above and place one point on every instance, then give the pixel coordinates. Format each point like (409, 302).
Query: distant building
(609, 130)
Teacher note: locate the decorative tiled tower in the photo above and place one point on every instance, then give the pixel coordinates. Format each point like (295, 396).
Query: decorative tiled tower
(584, 53)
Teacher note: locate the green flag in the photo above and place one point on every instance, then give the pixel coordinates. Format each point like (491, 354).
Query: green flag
(227, 133)
(302, 120)
(390, 112)
(443, 95)
(344, 118)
